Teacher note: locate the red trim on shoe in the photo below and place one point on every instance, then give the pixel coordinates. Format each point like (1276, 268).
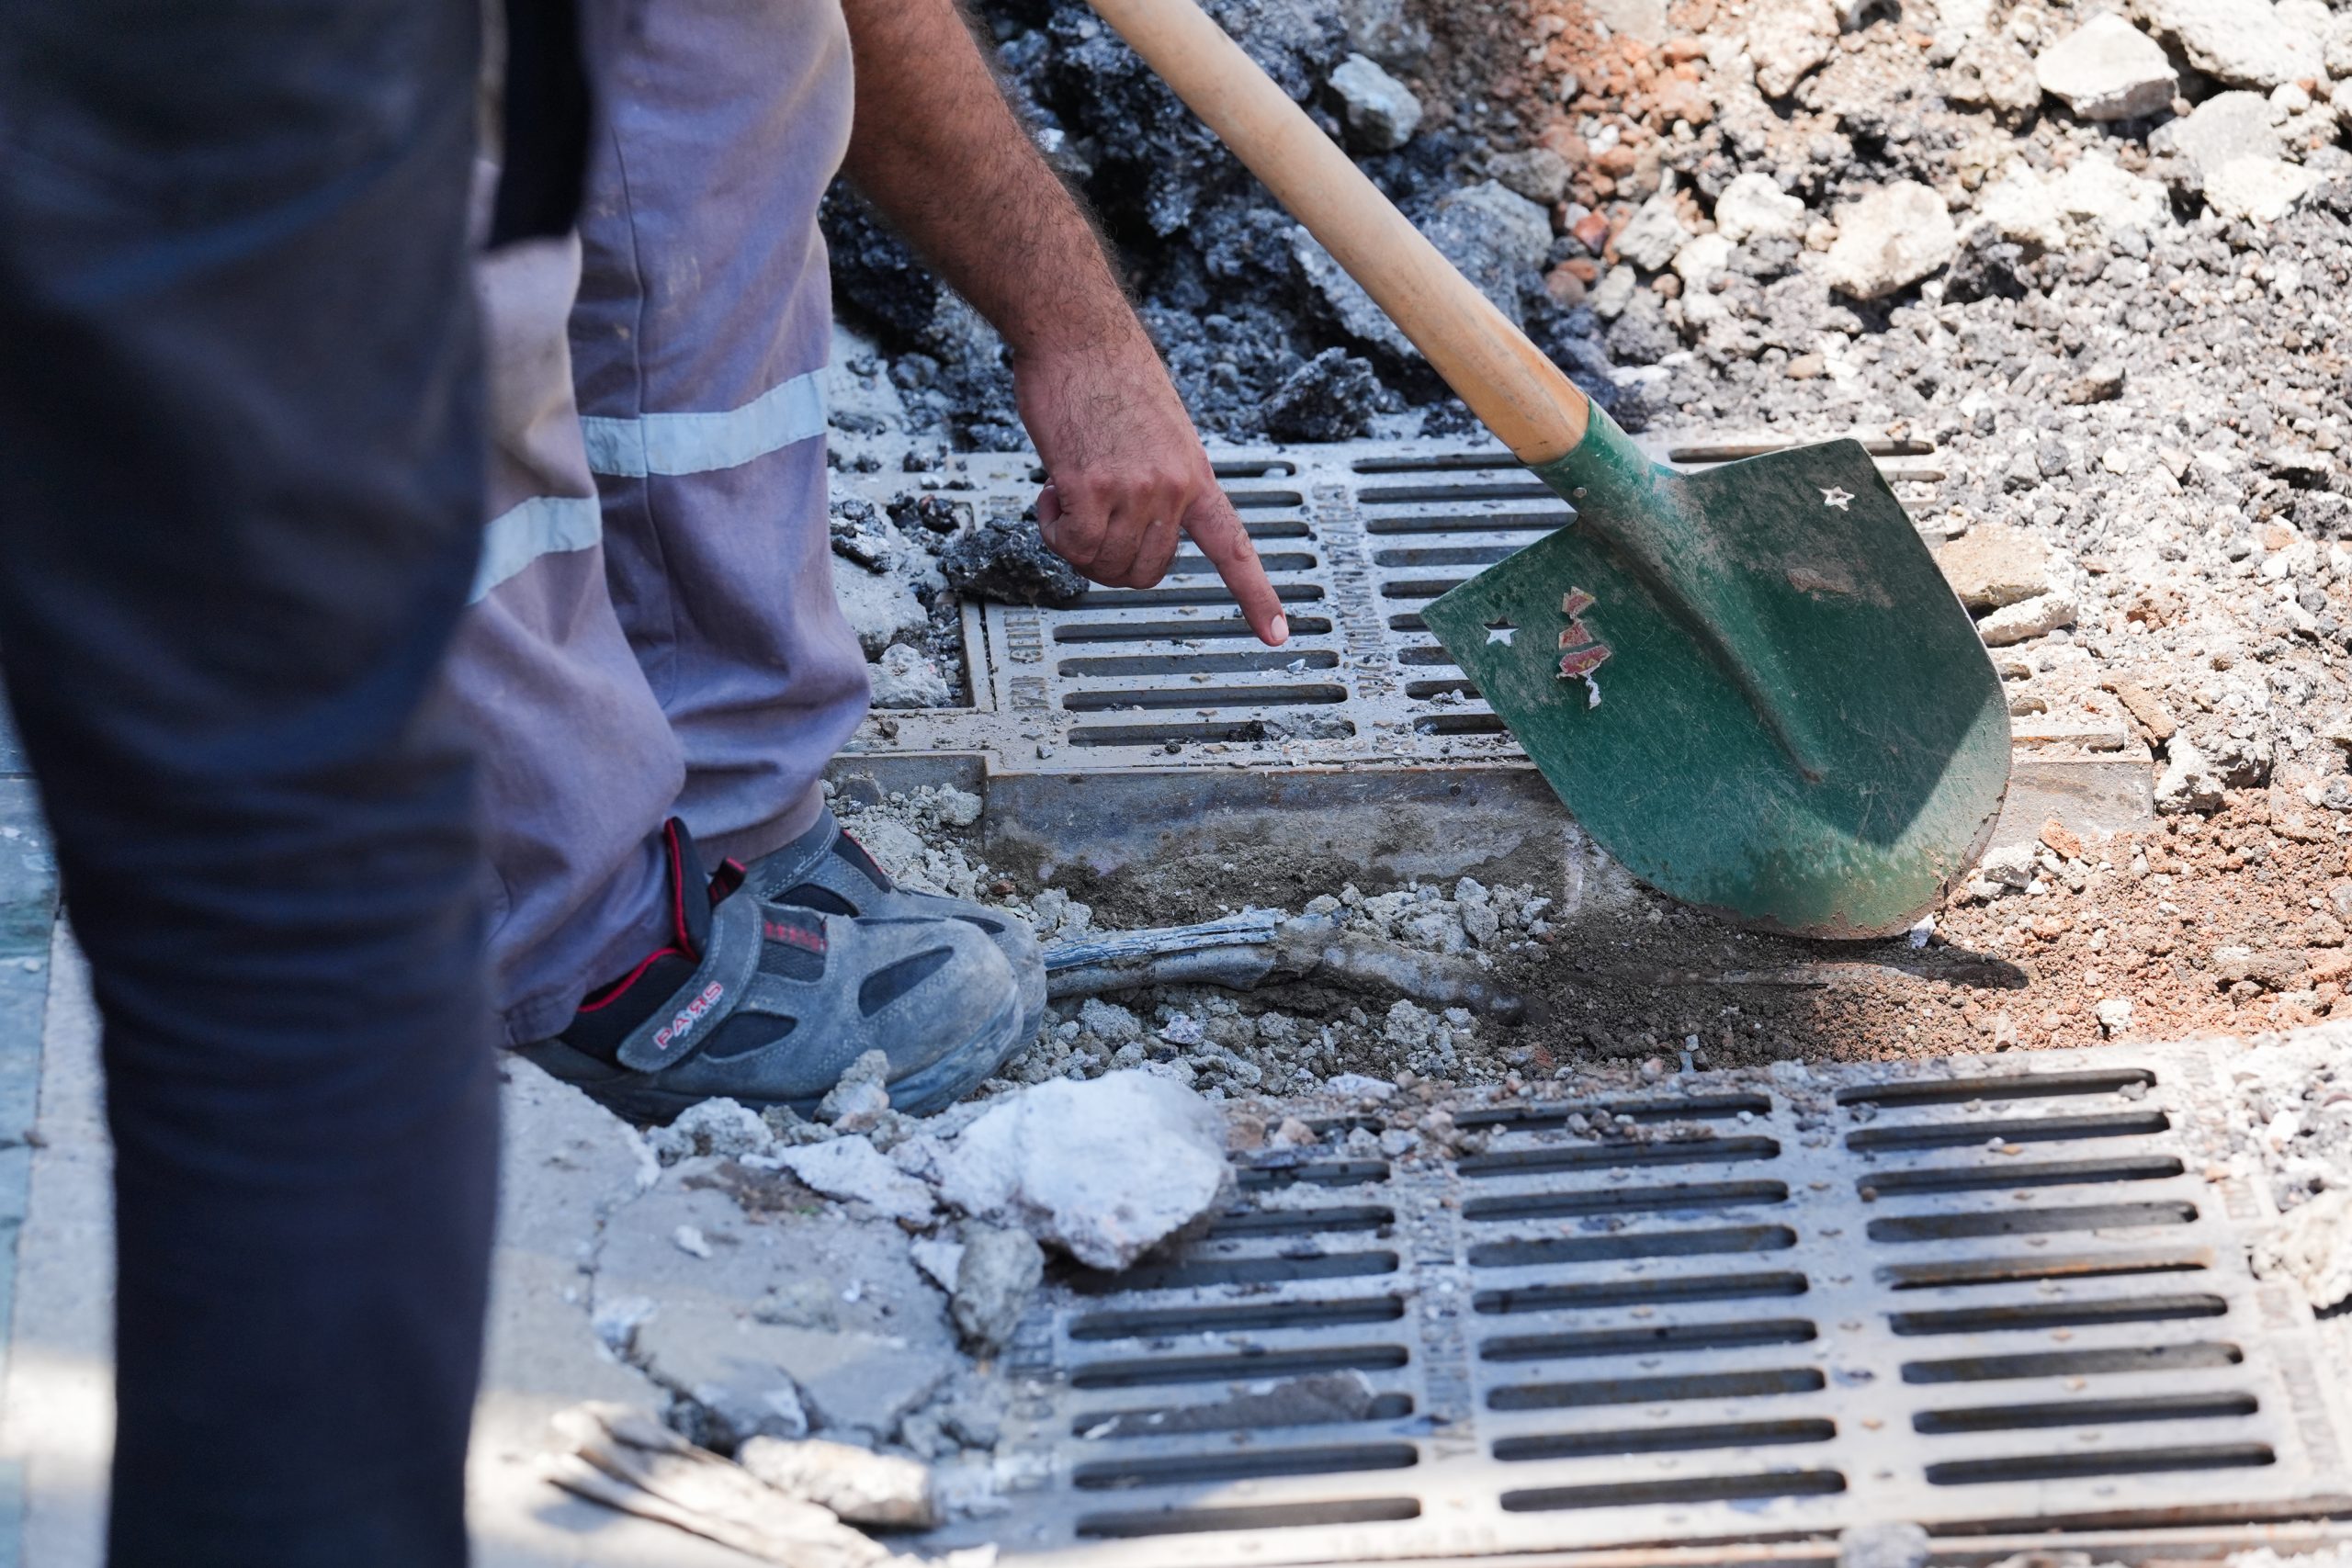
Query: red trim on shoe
(610, 994)
(726, 879)
(683, 947)
(678, 883)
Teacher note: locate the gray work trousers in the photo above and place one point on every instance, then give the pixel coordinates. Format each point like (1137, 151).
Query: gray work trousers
(653, 631)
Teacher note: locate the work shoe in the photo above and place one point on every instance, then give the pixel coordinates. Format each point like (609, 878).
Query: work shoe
(769, 1003)
(828, 871)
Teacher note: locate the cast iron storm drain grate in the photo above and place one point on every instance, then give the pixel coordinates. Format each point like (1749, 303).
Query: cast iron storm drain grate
(1135, 707)
(1985, 1296)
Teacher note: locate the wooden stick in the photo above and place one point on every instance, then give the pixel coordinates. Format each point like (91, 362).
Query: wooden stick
(1522, 397)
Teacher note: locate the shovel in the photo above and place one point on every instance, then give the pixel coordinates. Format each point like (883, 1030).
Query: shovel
(1749, 684)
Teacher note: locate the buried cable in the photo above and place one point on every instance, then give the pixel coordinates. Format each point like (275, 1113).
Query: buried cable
(1262, 947)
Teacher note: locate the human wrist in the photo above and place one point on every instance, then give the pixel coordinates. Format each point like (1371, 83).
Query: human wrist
(1102, 322)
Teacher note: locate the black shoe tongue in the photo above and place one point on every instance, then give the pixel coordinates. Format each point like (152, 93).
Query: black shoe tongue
(613, 1010)
(608, 1017)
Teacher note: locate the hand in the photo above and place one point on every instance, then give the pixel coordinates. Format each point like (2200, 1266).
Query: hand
(1128, 474)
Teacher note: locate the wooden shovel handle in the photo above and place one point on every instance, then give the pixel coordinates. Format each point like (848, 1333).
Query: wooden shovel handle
(1521, 396)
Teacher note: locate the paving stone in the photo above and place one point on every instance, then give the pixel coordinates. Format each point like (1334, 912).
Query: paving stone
(2246, 43)
(1380, 110)
(1891, 239)
(1537, 174)
(2027, 619)
(2261, 189)
(851, 1169)
(881, 608)
(2096, 191)
(2108, 69)
(906, 678)
(2223, 129)
(2187, 781)
(1994, 564)
(1787, 38)
(1754, 207)
(998, 1273)
(2021, 206)
(705, 1329)
(1654, 234)
(858, 1486)
(1104, 1169)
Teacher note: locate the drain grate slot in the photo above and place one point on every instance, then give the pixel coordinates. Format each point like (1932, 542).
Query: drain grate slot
(2058, 1314)
(1437, 463)
(2074, 1363)
(1128, 666)
(2031, 1221)
(1328, 1400)
(1302, 1222)
(1205, 595)
(2121, 1461)
(1459, 724)
(1202, 697)
(1639, 1292)
(2033, 1130)
(1153, 1370)
(2008, 1086)
(1607, 1156)
(1235, 1320)
(1419, 587)
(2029, 1271)
(1191, 565)
(1469, 522)
(1230, 625)
(1321, 1173)
(2045, 1173)
(1547, 1118)
(1477, 489)
(1665, 1339)
(1722, 1319)
(1688, 1197)
(1664, 1439)
(1244, 1465)
(1696, 1489)
(1265, 1516)
(1424, 556)
(1636, 1244)
(1189, 1276)
(1658, 1390)
(2085, 1412)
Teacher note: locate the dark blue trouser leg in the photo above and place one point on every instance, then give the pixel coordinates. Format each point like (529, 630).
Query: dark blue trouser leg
(239, 511)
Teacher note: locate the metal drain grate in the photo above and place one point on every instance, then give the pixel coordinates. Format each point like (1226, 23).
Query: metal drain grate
(1161, 702)
(1988, 1298)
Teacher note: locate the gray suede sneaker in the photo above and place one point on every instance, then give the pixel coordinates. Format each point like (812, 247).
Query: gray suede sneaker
(828, 871)
(769, 1003)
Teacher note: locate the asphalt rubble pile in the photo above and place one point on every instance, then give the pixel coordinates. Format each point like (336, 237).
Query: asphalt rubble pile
(1266, 337)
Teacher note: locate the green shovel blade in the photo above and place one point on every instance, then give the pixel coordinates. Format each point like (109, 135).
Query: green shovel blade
(1772, 706)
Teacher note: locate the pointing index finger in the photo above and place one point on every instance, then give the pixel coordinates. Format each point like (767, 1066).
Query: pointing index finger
(1217, 529)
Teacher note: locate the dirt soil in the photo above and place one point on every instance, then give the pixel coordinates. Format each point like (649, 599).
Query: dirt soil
(2222, 924)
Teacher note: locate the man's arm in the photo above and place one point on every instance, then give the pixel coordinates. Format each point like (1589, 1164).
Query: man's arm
(936, 149)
